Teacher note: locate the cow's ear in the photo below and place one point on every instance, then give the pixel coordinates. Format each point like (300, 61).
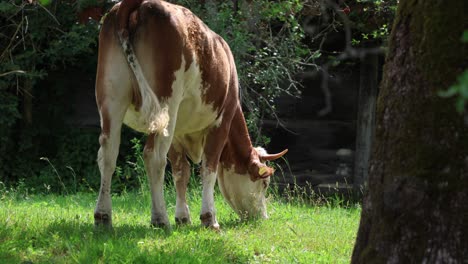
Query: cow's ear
(265, 171)
(269, 157)
(259, 171)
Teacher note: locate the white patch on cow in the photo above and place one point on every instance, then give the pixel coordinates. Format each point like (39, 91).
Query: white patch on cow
(208, 181)
(182, 209)
(218, 121)
(246, 197)
(261, 151)
(193, 116)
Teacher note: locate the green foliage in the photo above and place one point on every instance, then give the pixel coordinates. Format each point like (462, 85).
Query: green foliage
(131, 175)
(83, 4)
(73, 165)
(464, 37)
(10, 115)
(45, 2)
(267, 42)
(460, 88)
(43, 46)
(40, 42)
(371, 20)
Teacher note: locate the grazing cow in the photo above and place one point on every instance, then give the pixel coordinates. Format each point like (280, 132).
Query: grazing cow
(163, 72)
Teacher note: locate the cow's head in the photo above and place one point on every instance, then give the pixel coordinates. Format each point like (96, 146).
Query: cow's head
(245, 192)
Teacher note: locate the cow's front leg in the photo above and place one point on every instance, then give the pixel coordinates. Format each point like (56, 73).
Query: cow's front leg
(154, 155)
(208, 212)
(215, 141)
(181, 175)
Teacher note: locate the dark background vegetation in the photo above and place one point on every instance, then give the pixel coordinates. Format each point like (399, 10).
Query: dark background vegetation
(48, 54)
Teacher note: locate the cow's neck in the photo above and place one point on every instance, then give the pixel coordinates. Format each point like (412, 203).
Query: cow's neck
(238, 147)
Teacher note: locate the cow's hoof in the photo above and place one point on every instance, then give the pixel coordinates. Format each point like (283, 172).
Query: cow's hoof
(183, 221)
(160, 223)
(209, 221)
(166, 228)
(102, 221)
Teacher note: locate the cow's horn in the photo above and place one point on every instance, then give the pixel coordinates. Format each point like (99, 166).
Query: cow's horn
(273, 156)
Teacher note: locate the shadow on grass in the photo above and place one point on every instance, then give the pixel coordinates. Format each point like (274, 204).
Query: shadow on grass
(70, 228)
(144, 244)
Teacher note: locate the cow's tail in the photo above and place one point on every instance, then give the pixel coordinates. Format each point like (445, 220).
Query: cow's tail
(154, 114)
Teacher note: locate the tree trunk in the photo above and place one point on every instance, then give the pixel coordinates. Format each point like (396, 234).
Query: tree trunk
(235, 5)
(366, 118)
(416, 209)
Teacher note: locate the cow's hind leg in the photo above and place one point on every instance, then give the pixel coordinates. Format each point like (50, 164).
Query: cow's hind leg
(155, 155)
(107, 156)
(181, 175)
(113, 95)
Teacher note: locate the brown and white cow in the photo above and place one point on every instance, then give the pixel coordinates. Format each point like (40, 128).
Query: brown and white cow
(163, 72)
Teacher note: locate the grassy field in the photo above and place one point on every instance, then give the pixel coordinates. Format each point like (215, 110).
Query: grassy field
(59, 229)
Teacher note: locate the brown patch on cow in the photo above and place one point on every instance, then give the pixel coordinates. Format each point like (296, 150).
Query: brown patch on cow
(183, 34)
(188, 58)
(125, 9)
(239, 153)
(216, 73)
(238, 149)
(158, 32)
(215, 142)
(106, 40)
(214, 61)
(218, 137)
(188, 19)
(219, 77)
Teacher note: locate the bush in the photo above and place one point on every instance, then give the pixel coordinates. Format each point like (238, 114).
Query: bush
(40, 41)
(44, 43)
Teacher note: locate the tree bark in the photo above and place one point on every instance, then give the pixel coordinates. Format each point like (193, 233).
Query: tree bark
(416, 208)
(235, 6)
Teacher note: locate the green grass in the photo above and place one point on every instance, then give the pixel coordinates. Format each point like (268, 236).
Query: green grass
(59, 229)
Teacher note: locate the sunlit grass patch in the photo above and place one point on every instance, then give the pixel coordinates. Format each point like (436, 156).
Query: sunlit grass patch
(59, 229)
